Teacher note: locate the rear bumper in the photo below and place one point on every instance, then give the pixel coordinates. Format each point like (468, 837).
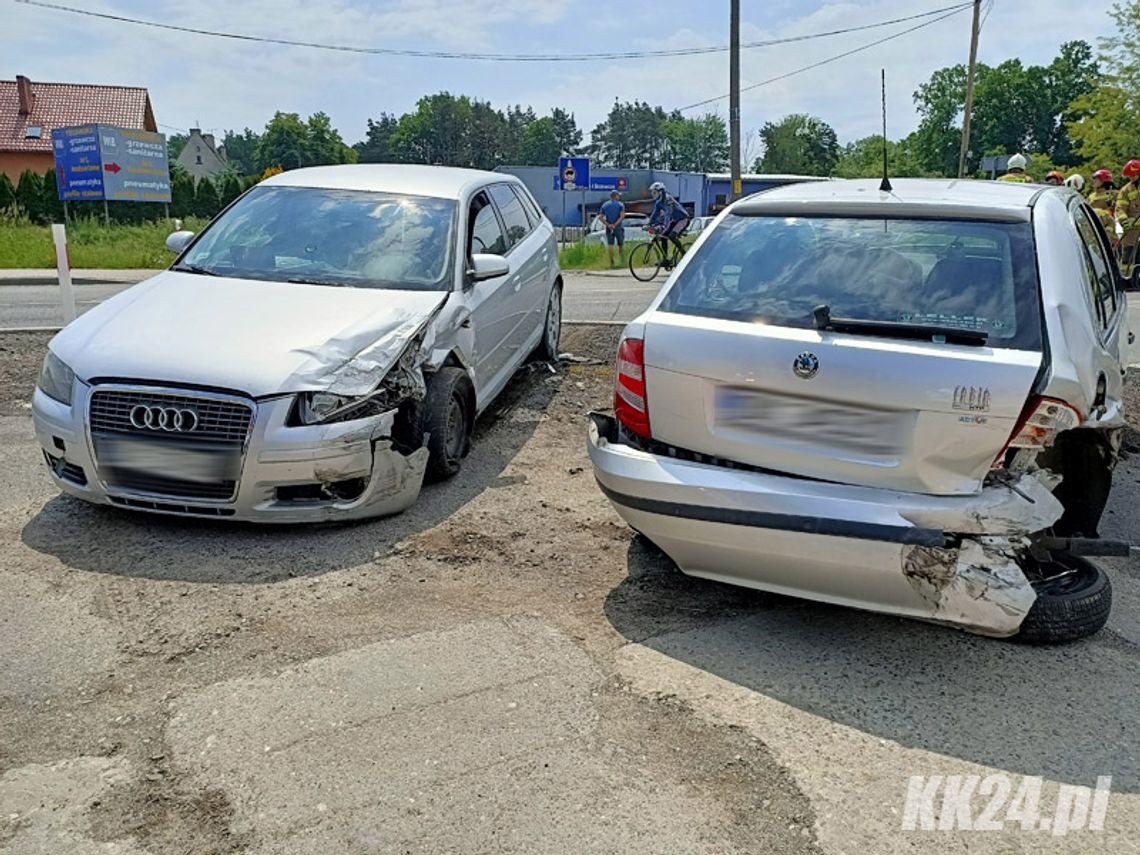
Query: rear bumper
(950, 559)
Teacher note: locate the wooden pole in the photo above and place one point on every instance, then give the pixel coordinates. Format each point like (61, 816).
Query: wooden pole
(970, 89)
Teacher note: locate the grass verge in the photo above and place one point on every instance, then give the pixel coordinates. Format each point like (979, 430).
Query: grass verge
(91, 244)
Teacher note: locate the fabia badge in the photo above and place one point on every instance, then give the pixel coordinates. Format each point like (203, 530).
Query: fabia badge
(806, 365)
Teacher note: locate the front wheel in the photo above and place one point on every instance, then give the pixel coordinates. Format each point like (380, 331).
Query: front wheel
(645, 260)
(1074, 598)
(547, 349)
(446, 416)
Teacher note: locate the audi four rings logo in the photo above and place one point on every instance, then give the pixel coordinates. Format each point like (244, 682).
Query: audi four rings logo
(169, 419)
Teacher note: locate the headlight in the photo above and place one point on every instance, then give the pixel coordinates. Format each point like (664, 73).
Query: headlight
(56, 379)
(315, 408)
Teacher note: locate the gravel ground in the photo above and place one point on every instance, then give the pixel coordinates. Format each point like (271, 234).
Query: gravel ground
(505, 667)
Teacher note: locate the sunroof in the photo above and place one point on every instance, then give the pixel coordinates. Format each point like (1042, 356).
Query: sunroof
(33, 132)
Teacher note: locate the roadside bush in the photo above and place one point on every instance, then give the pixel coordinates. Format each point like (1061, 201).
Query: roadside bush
(205, 198)
(50, 205)
(231, 189)
(29, 196)
(182, 194)
(7, 193)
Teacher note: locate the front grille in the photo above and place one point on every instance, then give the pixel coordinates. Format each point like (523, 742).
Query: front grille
(198, 456)
(217, 420)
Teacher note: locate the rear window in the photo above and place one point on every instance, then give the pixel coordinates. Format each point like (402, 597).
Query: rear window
(953, 274)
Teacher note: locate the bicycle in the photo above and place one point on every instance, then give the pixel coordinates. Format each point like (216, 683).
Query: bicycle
(646, 259)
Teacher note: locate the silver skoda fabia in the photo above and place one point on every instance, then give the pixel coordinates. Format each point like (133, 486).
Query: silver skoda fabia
(906, 400)
(313, 354)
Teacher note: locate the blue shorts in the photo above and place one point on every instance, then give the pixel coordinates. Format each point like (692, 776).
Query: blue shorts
(616, 235)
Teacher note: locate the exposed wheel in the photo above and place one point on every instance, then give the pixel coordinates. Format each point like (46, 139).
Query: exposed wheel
(447, 415)
(645, 260)
(1074, 598)
(547, 349)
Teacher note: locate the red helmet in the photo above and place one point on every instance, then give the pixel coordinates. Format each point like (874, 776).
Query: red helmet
(1055, 177)
(1104, 175)
(1132, 169)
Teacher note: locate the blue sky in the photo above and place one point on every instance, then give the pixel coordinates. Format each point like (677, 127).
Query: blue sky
(225, 84)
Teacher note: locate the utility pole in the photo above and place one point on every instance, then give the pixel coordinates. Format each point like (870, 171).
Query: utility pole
(969, 90)
(734, 95)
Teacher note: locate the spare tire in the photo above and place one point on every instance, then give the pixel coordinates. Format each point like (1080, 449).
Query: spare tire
(1074, 598)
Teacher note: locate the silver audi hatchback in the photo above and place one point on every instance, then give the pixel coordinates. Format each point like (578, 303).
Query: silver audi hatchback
(908, 401)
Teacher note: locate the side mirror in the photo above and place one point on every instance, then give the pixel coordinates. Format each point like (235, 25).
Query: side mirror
(487, 266)
(178, 241)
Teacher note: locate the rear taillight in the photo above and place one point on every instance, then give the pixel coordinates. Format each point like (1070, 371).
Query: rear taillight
(630, 405)
(1040, 423)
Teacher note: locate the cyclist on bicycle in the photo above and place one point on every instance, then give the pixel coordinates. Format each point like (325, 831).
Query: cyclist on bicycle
(672, 216)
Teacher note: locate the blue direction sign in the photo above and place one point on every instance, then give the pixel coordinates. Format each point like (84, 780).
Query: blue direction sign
(94, 162)
(573, 174)
(619, 183)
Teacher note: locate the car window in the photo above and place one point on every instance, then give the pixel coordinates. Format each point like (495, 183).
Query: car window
(511, 210)
(1101, 279)
(967, 275)
(486, 233)
(532, 212)
(320, 236)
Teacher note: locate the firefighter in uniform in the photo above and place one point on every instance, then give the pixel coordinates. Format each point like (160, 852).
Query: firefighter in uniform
(1056, 178)
(1016, 172)
(1102, 199)
(1128, 215)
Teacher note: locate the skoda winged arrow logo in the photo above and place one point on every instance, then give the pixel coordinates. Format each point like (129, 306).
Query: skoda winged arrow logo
(806, 365)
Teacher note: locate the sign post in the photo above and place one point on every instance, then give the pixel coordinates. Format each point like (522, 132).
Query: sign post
(573, 174)
(63, 267)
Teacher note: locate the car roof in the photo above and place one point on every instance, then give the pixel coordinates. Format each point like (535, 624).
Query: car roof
(909, 197)
(441, 182)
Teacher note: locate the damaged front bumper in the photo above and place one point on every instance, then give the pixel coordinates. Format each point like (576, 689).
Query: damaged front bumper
(950, 559)
(289, 474)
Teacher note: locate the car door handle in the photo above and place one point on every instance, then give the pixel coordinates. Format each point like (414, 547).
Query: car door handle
(518, 284)
(1132, 338)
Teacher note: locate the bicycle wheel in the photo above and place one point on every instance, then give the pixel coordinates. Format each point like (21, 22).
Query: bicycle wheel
(645, 260)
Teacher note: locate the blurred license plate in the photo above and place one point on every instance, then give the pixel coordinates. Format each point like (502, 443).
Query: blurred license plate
(878, 432)
(185, 461)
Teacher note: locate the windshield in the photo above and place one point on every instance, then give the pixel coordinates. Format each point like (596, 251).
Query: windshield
(949, 274)
(330, 237)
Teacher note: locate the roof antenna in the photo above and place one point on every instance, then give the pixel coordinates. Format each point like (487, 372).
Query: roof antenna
(885, 186)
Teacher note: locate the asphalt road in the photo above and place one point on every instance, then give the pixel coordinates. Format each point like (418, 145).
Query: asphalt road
(33, 300)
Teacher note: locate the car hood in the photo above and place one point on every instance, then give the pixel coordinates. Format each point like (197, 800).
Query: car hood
(260, 338)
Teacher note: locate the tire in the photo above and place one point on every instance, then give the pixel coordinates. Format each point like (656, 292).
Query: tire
(446, 415)
(547, 349)
(645, 260)
(1070, 607)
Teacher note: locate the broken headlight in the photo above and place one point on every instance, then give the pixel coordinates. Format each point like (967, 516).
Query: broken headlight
(314, 408)
(56, 379)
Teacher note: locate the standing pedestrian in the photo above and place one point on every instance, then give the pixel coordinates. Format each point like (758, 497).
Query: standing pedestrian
(612, 214)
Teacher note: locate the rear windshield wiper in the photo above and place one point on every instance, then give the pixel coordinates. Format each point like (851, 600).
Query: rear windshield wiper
(193, 268)
(891, 329)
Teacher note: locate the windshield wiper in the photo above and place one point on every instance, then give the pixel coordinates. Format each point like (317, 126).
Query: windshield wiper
(193, 268)
(300, 281)
(892, 329)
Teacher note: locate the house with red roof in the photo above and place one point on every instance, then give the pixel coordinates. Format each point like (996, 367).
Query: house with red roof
(30, 111)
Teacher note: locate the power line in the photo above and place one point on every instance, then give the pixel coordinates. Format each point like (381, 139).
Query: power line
(486, 57)
(830, 59)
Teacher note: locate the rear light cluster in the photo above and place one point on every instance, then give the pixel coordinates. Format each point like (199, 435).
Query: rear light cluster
(630, 404)
(1040, 423)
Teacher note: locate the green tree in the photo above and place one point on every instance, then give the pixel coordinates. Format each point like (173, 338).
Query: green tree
(633, 137)
(697, 145)
(1105, 122)
(323, 143)
(206, 203)
(29, 195)
(539, 144)
(376, 146)
(174, 145)
(863, 158)
(241, 151)
(435, 133)
(566, 132)
(7, 193)
(284, 143)
(231, 189)
(51, 207)
(181, 192)
(800, 144)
